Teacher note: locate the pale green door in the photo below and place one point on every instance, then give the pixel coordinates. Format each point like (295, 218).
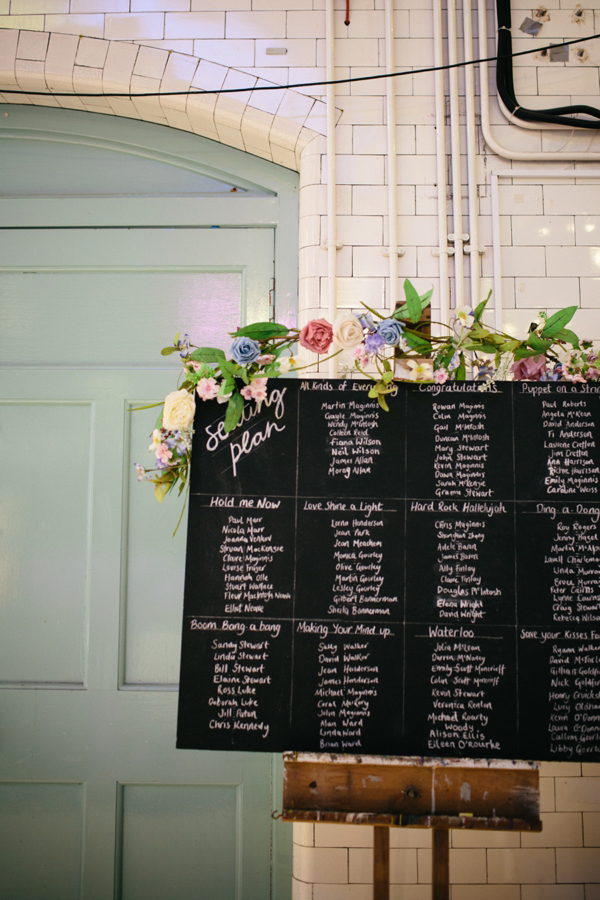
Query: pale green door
(95, 802)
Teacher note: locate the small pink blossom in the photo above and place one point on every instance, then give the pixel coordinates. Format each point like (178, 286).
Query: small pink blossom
(246, 392)
(207, 388)
(163, 453)
(265, 359)
(359, 353)
(441, 376)
(576, 377)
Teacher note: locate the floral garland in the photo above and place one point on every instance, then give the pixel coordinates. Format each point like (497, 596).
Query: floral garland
(397, 347)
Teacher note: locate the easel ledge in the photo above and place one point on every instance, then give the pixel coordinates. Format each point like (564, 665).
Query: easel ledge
(413, 792)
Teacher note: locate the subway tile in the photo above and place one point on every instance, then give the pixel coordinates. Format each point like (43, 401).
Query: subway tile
(410, 892)
(538, 293)
(417, 170)
(517, 260)
(29, 23)
(559, 829)
(161, 5)
(305, 24)
(119, 64)
(530, 866)
(179, 72)
(342, 892)
(301, 52)
(134, 27)
(420, 231)
(587, 230)
(350, 50)
(364, 23)
(465, 837)
(543, 230)
(565, 80)
(30, 7)
(577, 865)
(99, 6)
(486, 892)
(420, 23)
(468, 866)
(150, 62)
(92, 52)
(255, 24)
(32, 45)
(255, 128)
(361, 110)
(202, 25)
(369, 261)
(225, 5)
(521, 199)
(301, 890)
(369, 199)
(592, 892)
(552, 892)
(343, 835)
(558, 769)
(358, 230)
(574, 794)
(590, 769)
(591, 829)
(227, 53)
(351, 294)
(358, 169)
(178, 46)
(372, 86)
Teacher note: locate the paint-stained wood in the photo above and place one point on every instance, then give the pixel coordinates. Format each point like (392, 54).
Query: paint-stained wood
(448, 793)
(381, 863)
(440, 868)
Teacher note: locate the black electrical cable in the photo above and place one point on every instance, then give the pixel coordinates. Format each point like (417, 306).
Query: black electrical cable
(281, 87)
(558, 115)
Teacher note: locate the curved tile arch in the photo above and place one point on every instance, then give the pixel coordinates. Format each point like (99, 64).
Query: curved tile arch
(275, 125)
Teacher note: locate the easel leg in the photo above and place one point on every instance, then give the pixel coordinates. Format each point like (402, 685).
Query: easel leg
(440, 864)
(381, 862)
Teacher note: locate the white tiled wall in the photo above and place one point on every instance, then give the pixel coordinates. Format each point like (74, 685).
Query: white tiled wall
(550, 256)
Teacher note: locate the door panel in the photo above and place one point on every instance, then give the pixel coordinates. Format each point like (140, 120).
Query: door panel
(92, 580)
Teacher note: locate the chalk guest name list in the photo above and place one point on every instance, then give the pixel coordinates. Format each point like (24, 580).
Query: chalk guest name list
(424, 581)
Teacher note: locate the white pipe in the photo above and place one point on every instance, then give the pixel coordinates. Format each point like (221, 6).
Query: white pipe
(457, 237)
(392, 160)
(495, 147)
(332, 247)
(440, 140)
(496, 253)
(473, 247)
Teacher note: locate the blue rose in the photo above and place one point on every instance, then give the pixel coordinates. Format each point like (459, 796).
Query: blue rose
(391, 331)
(244, 350)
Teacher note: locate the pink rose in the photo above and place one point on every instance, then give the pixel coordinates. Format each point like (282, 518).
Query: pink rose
(317, 335)
(529, 369)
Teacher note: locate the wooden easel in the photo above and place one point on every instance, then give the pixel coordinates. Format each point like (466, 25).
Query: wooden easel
(409, 792)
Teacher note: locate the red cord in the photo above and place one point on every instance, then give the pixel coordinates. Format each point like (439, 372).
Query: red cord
(347, 20)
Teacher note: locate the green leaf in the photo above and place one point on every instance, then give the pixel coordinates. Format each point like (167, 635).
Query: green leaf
(382, 402)
(373, 393)
(227, 386)
(413, 301)
(537, 343)
(524, 353)
(558, 321)
(461, 372)
(418, 343)
(228, 368)
(481, 306)
(569, 336)
(483, 347)
(387, 377)
(166, 351)
(261, 331)
(207, 355)
(425, 298)
(234, 411)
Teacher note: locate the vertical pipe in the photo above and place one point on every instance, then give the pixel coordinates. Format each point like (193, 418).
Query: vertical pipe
(457, 223)
(440, 127)
(331, 176)
(496, 251)
(391, 154)
(471, 155)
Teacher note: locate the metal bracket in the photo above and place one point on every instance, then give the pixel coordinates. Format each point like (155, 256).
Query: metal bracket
(399, 251)
(439, 251)
(469, 249)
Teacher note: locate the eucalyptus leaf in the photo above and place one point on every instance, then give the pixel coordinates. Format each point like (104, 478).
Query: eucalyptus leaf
(479, 309)
(569, 336)
(261, 331)
(207, 355)
(413, 301)
(234, 411)
(558, 321)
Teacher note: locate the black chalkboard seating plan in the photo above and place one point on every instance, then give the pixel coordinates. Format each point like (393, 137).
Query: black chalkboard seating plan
(420, 582)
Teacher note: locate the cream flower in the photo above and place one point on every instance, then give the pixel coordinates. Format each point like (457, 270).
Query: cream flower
(347, 331)
(179, 410)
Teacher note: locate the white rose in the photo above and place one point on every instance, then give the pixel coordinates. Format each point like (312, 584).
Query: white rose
(347, 331)
(179, 410)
